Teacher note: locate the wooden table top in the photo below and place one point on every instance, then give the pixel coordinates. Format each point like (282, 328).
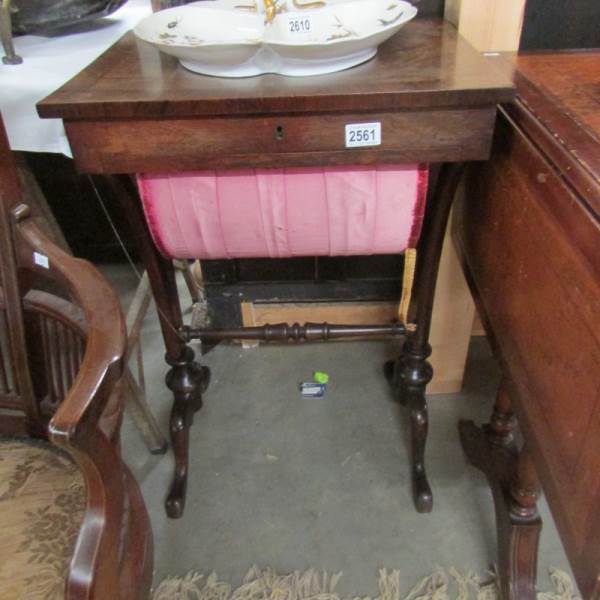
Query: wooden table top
(426, 65)
(562, 91)
(570, 79)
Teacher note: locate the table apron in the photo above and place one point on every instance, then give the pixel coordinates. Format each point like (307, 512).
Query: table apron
(171, 145)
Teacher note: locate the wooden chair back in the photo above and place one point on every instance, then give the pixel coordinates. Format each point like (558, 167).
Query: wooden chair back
(61, 362)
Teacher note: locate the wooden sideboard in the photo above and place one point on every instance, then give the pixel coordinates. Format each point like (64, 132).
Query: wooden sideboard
(528, 233)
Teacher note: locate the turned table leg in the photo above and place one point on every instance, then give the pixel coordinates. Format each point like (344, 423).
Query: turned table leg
(515, 487)
(186, 378)
(412, 371)
(519, 534)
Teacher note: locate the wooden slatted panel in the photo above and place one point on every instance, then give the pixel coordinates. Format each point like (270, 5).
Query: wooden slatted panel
(62, 347)
(62, 353)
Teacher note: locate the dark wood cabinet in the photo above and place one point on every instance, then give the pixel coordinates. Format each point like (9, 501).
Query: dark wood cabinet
(528, 232)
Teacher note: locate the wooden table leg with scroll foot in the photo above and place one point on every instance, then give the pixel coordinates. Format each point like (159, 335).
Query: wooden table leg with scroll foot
(515, 490)
(186, 378)
(412, 370)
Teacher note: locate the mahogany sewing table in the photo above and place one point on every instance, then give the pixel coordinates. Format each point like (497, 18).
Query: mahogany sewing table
(135, 110)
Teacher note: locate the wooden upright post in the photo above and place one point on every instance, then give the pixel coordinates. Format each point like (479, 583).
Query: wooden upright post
(489, 25)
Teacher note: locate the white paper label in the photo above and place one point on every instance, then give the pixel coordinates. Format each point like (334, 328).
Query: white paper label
(299, 25)
(41, 260)
(363, 134)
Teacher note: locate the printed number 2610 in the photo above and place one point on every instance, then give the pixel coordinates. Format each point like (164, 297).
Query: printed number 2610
(299, 25)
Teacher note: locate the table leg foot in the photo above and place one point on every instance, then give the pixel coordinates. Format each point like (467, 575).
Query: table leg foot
(514, 487)
(179, 428)
(422, 495)
(12, 60)
(187, 380)
(159, 450)
(412, 373)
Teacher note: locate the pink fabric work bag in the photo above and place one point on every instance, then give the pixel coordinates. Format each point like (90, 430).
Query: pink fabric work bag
(276, 213)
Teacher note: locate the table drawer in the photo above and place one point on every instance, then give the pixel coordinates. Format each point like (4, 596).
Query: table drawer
(186, 144)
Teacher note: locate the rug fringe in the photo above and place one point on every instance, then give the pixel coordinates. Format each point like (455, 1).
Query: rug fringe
(266, 584)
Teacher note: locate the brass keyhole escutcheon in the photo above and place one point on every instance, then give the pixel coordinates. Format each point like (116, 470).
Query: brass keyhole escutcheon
(279, 132)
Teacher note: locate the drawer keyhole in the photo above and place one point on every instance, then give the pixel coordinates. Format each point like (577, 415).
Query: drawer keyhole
(279, 132)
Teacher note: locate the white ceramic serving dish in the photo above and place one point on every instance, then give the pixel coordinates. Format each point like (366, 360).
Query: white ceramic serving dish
(243, 38)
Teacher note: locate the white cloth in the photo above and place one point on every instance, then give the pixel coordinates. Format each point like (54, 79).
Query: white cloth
(49, 62)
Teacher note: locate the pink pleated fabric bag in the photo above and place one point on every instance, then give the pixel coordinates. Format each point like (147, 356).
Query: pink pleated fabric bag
(277, 213)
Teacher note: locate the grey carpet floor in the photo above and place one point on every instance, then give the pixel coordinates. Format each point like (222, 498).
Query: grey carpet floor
(295, 483)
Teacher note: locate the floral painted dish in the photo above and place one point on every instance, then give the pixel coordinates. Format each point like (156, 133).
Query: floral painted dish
(243, 38)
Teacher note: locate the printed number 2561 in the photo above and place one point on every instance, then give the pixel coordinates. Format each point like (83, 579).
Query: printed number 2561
(362, 135)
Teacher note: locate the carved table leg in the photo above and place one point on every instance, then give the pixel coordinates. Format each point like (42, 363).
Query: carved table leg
(519, 538)
(186, 378)
(515, 488)
(412, 371)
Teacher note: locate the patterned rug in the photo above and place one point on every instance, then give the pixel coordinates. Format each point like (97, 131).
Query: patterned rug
(266, 584)
(42, 499)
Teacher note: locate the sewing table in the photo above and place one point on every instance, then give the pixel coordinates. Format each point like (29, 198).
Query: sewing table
(135, 110)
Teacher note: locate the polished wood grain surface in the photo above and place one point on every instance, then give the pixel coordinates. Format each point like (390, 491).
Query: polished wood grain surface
(571, 80)
(134, 146)
(137, 110)
(562, 91)
(529, 233)
(426, 65)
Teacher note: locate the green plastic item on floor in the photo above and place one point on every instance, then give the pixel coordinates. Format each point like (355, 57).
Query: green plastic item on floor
(321, 377)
